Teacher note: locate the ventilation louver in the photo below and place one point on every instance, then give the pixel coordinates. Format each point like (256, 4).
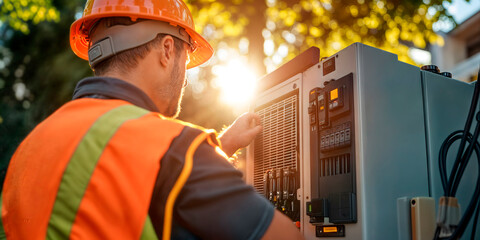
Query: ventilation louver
(276, 146)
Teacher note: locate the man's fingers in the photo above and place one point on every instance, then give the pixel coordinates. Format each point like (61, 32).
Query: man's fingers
(254, 119)
(252, 132)
(257, 129)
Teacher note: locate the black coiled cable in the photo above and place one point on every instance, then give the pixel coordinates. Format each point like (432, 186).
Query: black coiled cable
(463, 157)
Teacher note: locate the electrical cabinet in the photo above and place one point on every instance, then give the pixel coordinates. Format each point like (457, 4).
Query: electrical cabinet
(345, 137)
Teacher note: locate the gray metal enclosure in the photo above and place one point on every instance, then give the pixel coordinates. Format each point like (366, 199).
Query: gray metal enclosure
(399, 116)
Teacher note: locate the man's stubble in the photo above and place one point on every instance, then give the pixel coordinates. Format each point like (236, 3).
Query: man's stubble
(175, 94)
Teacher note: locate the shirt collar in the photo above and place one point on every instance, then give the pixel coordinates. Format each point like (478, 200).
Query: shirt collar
(113, 88)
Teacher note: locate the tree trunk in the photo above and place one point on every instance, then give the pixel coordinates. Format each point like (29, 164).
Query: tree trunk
(255, 38)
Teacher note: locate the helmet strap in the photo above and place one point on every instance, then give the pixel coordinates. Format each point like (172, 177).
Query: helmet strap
(109, 41)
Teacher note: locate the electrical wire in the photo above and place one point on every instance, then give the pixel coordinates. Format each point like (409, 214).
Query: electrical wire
(466, 131)
(475, 198)
(475, 221)
(467, 156)
(462, 159)
(443, 155)
(471, 207)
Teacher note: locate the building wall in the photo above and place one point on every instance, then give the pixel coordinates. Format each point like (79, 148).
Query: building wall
(459, 55)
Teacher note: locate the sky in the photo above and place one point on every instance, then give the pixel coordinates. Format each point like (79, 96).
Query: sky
(461, 11)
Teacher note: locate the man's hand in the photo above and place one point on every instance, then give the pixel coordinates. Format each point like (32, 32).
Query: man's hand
(240, 133)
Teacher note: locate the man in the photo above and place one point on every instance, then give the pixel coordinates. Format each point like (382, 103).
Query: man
(113, 164)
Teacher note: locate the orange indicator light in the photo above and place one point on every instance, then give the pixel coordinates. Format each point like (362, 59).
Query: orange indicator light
(330, 229)
(334, 94)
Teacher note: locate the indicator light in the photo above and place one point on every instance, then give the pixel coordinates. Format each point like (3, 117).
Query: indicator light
(330, 229)
(334, 94)
(297, 223)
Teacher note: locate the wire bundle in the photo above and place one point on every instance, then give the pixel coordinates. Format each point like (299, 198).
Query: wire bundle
(462, 159)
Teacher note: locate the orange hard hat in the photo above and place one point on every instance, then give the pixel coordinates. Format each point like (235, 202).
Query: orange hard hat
(174, 12)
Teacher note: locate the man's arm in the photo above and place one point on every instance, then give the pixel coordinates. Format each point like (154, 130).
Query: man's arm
(215, 202)
(281, 227)
(239, 135)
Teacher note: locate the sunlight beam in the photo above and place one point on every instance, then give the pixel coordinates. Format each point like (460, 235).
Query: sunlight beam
(236, 81)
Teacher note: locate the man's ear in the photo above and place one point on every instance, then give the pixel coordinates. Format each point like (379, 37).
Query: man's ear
(167, 46)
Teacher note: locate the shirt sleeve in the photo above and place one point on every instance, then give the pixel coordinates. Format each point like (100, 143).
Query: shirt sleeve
(215, 202)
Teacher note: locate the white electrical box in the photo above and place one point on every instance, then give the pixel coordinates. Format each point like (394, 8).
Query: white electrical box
(344, 138)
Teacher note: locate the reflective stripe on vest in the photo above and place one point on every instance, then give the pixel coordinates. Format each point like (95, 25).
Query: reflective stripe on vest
(80, 168)
(107, 178)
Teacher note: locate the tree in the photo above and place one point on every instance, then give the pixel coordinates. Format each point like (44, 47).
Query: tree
(36, 66)
(393, 25)
(18, 14)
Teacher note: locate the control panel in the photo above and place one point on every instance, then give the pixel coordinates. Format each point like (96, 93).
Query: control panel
(332, 151)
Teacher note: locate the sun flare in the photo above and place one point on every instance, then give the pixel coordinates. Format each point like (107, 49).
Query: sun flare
(237, 82)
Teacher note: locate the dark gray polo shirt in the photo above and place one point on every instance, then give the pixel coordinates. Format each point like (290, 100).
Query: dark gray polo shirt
(215, 202)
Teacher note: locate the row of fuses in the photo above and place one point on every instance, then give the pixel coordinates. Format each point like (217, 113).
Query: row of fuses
(338, 136)
(280, 187)
(279, 184)
(334, 165)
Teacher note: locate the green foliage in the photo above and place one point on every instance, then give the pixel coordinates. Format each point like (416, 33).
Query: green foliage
(334, 24)
(18, 13)
(38, 72)
(392, 25)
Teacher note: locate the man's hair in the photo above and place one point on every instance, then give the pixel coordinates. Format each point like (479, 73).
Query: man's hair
(128, 59)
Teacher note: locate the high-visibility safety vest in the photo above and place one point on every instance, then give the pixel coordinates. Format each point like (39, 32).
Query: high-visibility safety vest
(88, 172)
